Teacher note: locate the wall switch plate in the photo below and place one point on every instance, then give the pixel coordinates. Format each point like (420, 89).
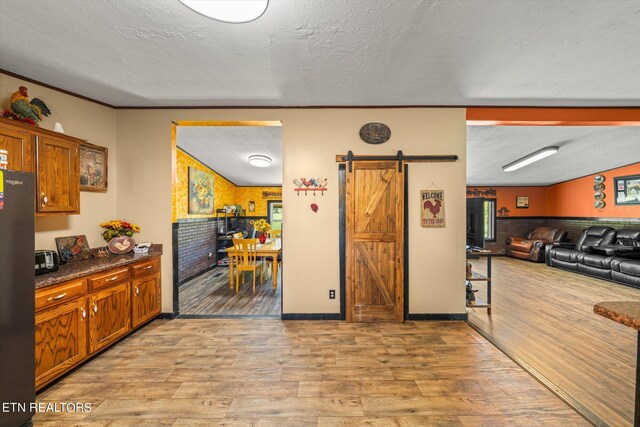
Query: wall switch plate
(332, 294)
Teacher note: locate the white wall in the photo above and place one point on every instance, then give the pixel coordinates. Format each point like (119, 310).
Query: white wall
(311, 140)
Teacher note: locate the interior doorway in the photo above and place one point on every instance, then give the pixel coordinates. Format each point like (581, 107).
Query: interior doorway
(221, 194)
(375, 233)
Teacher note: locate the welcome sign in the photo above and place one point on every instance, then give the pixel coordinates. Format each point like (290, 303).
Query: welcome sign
(432, 206)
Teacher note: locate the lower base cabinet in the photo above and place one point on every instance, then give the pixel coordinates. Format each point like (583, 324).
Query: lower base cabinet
(110, 316)
(61, 339)
(145, 299)
(72, 324)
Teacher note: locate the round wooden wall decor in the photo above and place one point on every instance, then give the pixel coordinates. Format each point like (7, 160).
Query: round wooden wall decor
(375, 133)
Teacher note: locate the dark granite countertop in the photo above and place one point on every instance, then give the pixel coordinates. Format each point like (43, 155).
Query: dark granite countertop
(625, 312)
(77, 269)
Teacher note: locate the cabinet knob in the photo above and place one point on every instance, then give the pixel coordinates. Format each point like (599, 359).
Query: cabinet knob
(137, 290)
(45, 199)
(95, 308)
(84, 313)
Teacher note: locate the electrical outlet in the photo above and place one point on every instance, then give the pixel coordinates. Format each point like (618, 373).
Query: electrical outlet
(332, 294)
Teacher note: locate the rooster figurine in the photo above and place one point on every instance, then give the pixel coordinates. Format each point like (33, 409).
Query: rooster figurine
(25, 110)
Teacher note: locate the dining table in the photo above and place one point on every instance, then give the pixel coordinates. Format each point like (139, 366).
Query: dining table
(271, 248)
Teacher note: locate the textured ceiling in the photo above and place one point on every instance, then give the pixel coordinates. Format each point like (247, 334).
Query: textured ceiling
(331, 52)
(584, 150)
(226, 150)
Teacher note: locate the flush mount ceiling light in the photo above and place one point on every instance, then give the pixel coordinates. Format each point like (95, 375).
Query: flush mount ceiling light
(260, 161)
(530, 158)
(231, 11)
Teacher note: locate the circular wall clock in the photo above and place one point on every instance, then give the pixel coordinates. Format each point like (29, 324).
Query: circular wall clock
(599, 196)
(598, 187)
(375, 133)
(598, 179)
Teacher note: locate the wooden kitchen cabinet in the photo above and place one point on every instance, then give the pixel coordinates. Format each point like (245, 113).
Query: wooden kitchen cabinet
(61, 339)
(58, 177)
(53, 157)
(81, 317)
(19, 145)
(110, 316)
(145, 299)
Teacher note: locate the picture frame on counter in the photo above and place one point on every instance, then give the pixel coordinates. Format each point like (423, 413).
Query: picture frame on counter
(627, 190)
(94, 171)
(522, 202)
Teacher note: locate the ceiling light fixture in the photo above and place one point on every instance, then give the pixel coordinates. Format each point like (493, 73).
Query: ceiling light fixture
(530, 158)
(260, 161)
(230, 11)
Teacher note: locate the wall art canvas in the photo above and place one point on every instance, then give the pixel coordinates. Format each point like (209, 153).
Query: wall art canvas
(93, 168)
(73, 248)
(200, 191)
(432, 207)
(522, 202)
(627, 190)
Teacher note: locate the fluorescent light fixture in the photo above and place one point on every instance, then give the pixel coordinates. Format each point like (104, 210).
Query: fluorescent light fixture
(230, 11)
(530, 158)
(260, 161)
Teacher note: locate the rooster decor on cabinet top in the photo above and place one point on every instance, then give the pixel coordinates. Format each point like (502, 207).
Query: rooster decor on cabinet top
(25, 110)
(432, 206)
(311, 185)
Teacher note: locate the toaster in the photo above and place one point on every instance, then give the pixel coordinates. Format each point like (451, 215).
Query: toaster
(46, 261)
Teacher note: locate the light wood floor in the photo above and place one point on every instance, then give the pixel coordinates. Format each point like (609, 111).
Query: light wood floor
(209, 294)
(545, 316)
(237, 372)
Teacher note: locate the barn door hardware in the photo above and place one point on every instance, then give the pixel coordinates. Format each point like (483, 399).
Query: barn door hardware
(400, 157)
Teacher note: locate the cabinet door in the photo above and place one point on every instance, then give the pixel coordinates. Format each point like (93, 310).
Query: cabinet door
(110, 316)
(19, 145)
(61, 340)
(145, 298)
(58, 175)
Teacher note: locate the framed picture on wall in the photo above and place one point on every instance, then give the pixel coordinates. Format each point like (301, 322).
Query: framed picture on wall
(627, 190)
(522, 202)
(252, 206)
(93, 167)
(200, 191)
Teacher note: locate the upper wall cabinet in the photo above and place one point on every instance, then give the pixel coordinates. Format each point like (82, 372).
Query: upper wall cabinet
(53, 157)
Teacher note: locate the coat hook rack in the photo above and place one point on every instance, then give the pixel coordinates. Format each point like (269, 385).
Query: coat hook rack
(312, 185)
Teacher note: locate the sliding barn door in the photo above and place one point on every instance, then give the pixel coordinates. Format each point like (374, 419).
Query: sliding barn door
(374, 242)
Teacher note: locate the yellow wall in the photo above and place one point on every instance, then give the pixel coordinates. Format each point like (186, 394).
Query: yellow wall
(95, 124)
(311, 267)
(244, 194)
(225, 192)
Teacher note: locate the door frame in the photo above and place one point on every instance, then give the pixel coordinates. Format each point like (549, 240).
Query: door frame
(342, 240)
(269, 203)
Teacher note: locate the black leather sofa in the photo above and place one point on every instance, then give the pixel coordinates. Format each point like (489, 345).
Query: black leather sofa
(601, 252)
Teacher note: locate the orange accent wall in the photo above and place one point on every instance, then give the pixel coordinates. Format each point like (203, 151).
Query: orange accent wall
(575, 197)
(567, 199)
(506, 197)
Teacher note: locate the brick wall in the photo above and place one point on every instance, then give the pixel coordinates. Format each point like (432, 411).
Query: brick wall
(196, 240)
(514, 226)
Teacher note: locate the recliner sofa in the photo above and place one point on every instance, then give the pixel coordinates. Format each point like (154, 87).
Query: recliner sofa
(601, 252)
(533, 246)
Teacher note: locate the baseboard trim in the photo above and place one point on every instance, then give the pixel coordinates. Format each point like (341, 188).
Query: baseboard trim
(438, 316)
(168, 316)
(228, 316)
(310, 316)
(552, 387)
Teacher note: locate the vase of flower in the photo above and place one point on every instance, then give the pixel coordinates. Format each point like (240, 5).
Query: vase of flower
(117, 228)
(261, 226)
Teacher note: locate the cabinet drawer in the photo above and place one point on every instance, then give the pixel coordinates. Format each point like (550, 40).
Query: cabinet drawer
(109, 278)
(48, 297)
(147, 267)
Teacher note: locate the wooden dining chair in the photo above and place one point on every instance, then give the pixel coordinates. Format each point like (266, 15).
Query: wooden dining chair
(246, 259)
(273, 234)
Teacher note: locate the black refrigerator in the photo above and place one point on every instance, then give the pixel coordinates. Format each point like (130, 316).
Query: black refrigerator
(17, 298)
